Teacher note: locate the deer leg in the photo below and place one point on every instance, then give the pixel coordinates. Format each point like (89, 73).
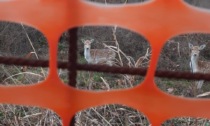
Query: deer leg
(90, 80)
(199, 84)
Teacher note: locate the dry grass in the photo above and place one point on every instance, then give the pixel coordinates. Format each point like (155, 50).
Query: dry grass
(16, 115)
(113, 114)
(119, 114)
(187, 121)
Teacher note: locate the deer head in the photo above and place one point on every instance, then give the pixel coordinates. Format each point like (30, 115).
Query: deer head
(195, 50)
(87, 43)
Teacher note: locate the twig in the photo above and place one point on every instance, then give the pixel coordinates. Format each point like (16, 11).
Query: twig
(30, 41)
(8, 74)
(125, 1)
(117, 44)
(101, 116)
(21, 74)
(32, 46)
(203, 94)
(178, 49)
(107, 85)
(32, 115)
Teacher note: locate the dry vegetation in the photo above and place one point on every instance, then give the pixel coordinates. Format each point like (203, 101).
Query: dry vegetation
(132, 50)
(175, 56)
(114, 39)
(21, 41)
(113, 114)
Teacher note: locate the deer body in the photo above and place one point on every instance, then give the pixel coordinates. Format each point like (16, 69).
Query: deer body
(196, 65)
(98, 56)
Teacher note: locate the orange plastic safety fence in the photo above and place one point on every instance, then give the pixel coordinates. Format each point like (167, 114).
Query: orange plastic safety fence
(156, 20)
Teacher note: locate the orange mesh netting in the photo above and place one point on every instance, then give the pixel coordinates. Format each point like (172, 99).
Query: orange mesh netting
(156, 20)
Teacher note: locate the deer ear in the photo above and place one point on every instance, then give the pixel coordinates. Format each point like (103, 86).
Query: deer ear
(82, 40)
(202, 47)
(190, 45)
(91, 40)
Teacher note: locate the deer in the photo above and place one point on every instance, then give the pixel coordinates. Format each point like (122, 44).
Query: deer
(196, 65)
(98, 56)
